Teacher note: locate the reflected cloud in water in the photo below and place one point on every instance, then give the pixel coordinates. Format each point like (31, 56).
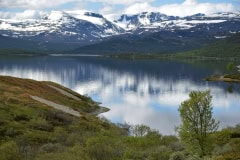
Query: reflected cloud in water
(133, 97)
(138, 103)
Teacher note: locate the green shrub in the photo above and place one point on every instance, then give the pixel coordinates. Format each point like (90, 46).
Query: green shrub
(22, 117)
(77, 152)
(135, 155)
(36, 138)
(11, 132)
(193, 157)
(167, 140)
(218, 150)
(9, 151)
(104, 148)
(60, 135)
(41, 124)
(177, 156)
(161, 152)
(228, 156)
(235, 144)
(222, 137)
(176, 146)
(57, 118)
(154, 135)
(51, 148)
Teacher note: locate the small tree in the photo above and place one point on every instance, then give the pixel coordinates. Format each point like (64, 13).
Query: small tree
(197, 123)
(230, 67)
(140, 130)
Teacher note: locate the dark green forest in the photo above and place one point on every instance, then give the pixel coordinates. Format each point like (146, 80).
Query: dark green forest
(229, 47)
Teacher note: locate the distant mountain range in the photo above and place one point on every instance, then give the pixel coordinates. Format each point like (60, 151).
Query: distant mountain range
(93, 33)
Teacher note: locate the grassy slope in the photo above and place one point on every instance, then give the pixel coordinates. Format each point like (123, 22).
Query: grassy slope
(30, 123)
(19, 90)
(32, 130)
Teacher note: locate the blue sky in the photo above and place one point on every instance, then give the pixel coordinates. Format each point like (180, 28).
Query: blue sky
(28, 8)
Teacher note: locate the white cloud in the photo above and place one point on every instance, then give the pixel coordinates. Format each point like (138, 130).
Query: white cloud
(42, 4)
(190, 2)
(139, 7)
(122, 2)
(188, 7)
(32, 4)
(27, 14)
(107, 10)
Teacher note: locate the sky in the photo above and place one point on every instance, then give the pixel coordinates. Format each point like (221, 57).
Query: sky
(26, 9)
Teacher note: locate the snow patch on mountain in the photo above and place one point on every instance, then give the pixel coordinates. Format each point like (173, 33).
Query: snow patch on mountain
(82, 25)
(88, 16)
(55, 15)
(162, 21)
(226, 15)
(58, 25)
(205, 21)
(21, 27)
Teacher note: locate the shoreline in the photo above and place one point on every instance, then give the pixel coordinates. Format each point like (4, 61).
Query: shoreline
(229, 78)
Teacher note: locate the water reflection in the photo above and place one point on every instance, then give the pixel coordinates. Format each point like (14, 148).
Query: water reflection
(147, 92)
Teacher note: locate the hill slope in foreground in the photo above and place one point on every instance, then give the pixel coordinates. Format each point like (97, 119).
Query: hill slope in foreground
(43, 120)
(37, 118)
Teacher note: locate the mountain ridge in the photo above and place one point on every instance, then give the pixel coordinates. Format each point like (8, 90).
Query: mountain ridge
(87, 29)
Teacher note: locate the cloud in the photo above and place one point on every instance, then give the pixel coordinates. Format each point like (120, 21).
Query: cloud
(190, 2)
(43, 4)
(139, 7)
(122, 2)
(107, 10)
(27, 14)
(32, 4)
(188, 7)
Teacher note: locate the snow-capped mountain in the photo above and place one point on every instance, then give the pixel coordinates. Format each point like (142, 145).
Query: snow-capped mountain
(86, 27)
(57, 26)
(153, 32)
(143, 20)
(156, 20)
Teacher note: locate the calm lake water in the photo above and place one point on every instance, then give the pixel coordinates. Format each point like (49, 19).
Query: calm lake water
(137, 92)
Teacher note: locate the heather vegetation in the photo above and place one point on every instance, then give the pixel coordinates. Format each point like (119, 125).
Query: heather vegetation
(30, 130)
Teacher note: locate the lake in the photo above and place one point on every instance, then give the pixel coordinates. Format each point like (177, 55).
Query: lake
(137, 91)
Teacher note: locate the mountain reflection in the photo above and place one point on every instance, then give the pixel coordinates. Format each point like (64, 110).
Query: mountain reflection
(140, 92)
